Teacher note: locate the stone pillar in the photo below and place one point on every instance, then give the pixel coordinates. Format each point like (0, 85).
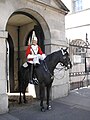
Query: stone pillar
(60, 86)
(3, 80)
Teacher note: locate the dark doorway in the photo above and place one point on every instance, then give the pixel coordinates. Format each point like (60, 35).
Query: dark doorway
(11, 62)
(13, 68)
(38, 29)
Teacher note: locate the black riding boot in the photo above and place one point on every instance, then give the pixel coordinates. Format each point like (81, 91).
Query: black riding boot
(31, 70)
(30, 73)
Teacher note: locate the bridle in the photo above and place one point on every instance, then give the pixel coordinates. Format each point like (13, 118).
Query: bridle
(60, 69)
(52, 75)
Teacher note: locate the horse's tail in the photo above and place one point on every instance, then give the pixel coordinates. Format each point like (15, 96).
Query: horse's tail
(20, 77)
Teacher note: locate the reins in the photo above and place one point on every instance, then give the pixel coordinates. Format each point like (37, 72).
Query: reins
(47, 70)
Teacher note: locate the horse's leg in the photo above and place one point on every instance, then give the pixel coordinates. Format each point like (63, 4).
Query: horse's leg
(20, 90)
(20, 99)
(24, 96)
(42, 95)
(48, 96)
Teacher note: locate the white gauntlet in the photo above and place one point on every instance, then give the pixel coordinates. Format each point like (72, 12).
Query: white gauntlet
(30, 56)
(36, 59)
(43, 56)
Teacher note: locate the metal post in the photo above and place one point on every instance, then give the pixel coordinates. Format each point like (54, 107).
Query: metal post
(18, 50)
(86, 54)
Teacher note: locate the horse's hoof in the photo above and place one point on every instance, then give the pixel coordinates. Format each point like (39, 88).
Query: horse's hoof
(49, 107)
(43, 109)
(25, 101)
(19, 102)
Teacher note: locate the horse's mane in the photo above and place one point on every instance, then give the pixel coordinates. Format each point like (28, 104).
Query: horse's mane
(50, 56)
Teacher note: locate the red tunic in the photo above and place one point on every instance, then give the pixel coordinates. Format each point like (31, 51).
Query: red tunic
(29, 51)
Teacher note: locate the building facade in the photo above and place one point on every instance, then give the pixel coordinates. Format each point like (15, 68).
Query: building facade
(78, 35)
(77, 21)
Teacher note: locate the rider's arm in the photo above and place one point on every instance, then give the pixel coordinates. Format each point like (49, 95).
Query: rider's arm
(42, 57)
(30, 56)
(40, 51)
(28, 53)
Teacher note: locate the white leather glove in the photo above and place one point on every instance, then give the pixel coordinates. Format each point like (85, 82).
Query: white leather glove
(35, 56)
(30, 56)
(36, 59)
(43, 56)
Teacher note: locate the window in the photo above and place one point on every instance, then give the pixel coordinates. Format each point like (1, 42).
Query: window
(82, 53)
(77, 5)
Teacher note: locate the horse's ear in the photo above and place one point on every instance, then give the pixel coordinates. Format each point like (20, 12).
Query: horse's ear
(62, 51)
(61, 48)
(66, 49)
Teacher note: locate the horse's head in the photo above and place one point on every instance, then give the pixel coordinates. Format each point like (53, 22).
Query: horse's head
(65, 59)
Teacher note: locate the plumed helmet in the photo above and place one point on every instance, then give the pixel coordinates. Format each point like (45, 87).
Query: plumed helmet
(35, 38)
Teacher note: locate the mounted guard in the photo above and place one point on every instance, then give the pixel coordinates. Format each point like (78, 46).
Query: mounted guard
(44, 73)
(33, 55)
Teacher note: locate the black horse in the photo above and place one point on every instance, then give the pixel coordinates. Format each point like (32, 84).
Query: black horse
(45, 74)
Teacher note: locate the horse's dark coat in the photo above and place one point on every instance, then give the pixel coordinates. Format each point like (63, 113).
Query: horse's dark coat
(44, 72)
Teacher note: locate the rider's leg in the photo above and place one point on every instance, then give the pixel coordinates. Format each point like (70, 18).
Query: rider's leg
(30, 73)
(35, 80)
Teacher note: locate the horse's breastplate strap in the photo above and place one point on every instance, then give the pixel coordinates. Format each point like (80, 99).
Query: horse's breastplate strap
(47, 70)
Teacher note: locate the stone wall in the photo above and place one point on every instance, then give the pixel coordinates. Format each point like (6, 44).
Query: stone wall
(3, 80)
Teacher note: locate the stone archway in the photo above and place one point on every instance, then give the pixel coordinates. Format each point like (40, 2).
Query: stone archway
(46, 13)
(30, 20)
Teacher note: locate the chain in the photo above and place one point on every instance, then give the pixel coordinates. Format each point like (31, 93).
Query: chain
(53, 76)
(59, 70)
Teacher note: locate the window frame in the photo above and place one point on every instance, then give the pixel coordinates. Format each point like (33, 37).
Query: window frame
(76, 6)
